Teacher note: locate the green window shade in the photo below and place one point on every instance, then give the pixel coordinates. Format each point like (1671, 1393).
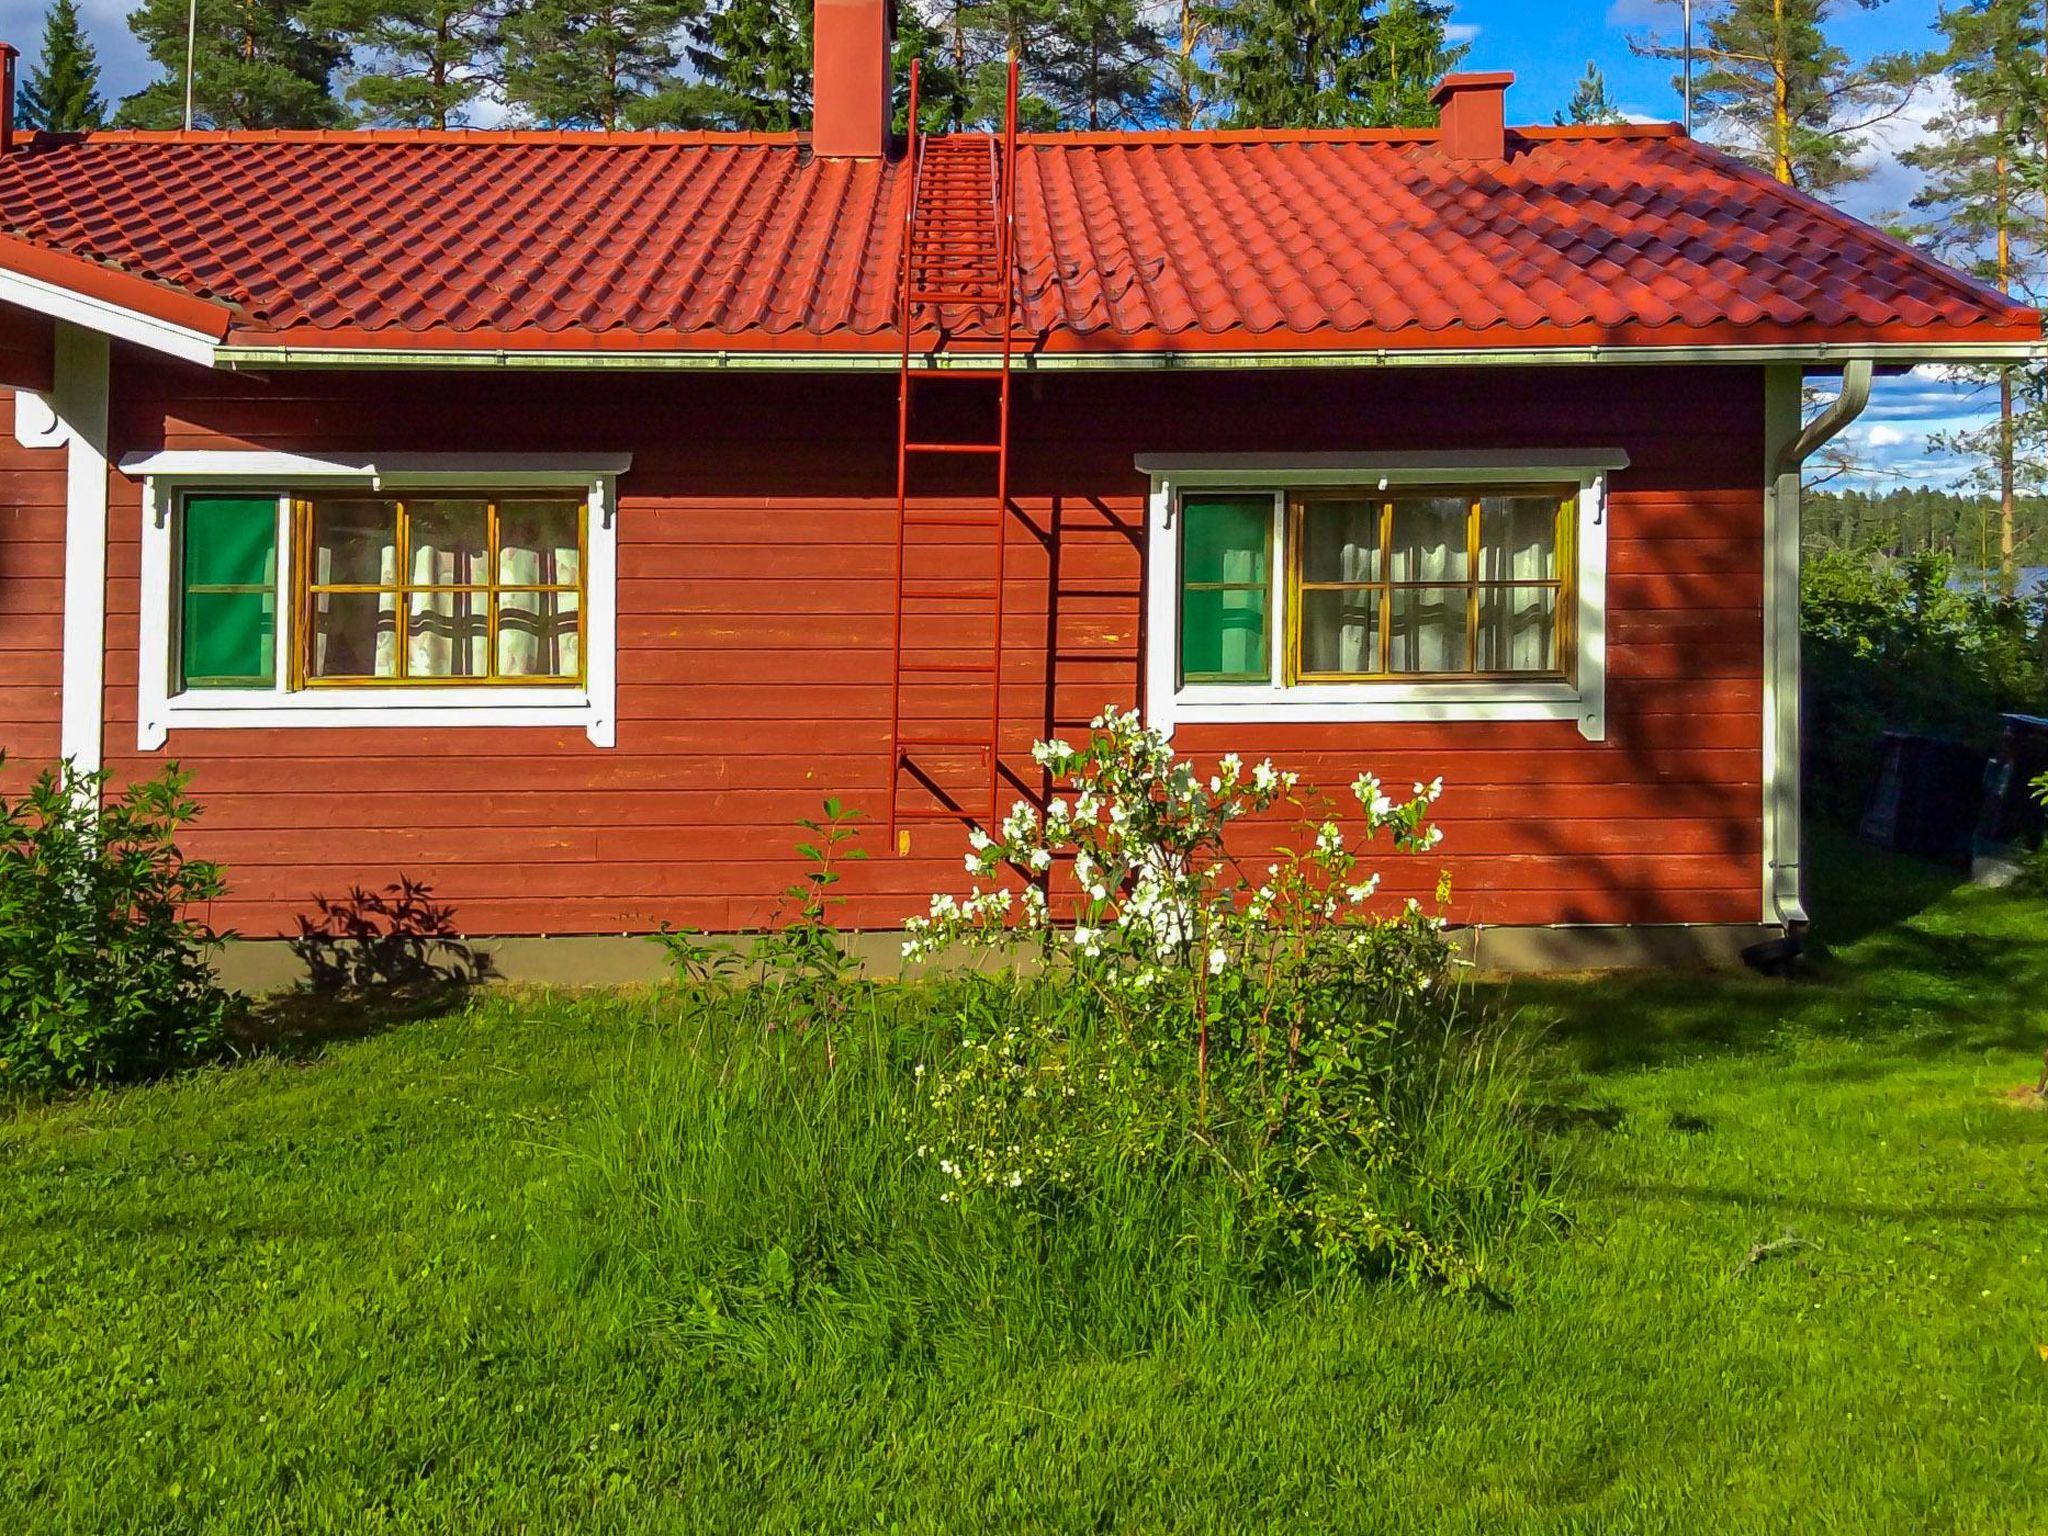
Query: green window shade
(227, 619)
(1226, 587)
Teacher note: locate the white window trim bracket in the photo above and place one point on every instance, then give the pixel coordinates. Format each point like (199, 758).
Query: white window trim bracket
(1168, 704)
(166, 476)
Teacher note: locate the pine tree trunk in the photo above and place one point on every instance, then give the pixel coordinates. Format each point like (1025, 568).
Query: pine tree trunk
(1781, 98)
(2008, 574)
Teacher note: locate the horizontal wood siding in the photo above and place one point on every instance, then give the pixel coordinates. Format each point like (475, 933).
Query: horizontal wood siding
(756, 539)
(31, 601)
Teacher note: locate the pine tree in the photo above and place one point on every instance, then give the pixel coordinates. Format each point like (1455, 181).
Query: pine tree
(61, 94)
(1590, 102)
(602, 64)
(1312, 63)
(1184, 87)
(1984, 197)
(425, 61)
(1100, 66)
(1773, 89)
(256, 64)
(754, 59)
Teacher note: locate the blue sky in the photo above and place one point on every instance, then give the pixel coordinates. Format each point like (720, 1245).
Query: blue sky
(1547, 44)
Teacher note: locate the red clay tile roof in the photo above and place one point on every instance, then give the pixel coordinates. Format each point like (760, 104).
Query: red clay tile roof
(1201, 242)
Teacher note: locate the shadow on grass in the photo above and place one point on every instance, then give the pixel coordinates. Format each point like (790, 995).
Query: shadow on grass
(1910, 958)
(301, 1025)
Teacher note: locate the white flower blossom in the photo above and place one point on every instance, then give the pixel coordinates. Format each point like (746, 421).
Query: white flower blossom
(1218, 959)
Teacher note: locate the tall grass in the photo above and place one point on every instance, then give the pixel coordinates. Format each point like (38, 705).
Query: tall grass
(764, 1210)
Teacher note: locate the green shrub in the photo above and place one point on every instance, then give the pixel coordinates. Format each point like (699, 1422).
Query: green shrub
(1888, 646)
(103, 974)
(1264, 1030)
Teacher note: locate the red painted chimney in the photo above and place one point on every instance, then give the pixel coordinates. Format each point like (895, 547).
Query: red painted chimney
(9, 54)
(1474, 109)
(850, 76)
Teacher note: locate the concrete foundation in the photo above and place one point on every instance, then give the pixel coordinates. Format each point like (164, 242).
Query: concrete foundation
(268, 965)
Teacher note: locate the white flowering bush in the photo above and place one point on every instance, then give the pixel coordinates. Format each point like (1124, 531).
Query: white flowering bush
(1197, 1007)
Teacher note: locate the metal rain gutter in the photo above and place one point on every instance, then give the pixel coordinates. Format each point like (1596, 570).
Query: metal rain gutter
(1900, 354)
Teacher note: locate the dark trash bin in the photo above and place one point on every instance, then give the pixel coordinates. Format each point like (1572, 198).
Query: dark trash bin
(1929, 794)
(2011, 816)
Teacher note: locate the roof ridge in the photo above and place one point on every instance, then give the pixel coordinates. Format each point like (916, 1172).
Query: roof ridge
(597, 138)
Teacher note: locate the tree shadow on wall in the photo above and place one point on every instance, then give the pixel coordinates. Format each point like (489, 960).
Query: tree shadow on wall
(373, 959)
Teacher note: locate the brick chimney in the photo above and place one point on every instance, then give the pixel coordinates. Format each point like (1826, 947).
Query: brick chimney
(1474, 109)
(850, 76)
(9, 57)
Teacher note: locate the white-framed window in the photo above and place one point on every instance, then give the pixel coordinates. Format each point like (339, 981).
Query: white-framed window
(1372, 587)
(414, 590)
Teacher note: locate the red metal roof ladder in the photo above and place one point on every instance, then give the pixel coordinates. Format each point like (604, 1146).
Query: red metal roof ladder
(958, 284)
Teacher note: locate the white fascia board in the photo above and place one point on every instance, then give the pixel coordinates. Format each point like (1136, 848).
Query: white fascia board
(93, 314)
(483, 470)
(1278, 469)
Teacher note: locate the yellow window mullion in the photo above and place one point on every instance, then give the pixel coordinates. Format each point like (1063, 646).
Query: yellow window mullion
(1386, 586)
(1472, 585)
(400, 596)
(491, 589)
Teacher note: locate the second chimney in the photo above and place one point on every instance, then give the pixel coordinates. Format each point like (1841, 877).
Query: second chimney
(1474, 114)
(850, 77)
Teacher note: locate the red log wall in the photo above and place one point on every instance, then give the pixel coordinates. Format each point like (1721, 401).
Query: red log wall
(755, 547)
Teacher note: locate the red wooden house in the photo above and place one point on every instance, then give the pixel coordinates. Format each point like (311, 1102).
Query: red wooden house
(553, 517)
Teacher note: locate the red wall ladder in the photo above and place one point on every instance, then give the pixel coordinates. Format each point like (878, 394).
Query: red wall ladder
(958, 285)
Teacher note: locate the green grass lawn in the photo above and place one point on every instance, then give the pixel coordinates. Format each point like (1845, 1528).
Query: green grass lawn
(336, 1291)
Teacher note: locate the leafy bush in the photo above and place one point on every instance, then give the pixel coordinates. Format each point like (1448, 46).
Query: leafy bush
(1889, 646)
(103, 975)
(1267, 1030)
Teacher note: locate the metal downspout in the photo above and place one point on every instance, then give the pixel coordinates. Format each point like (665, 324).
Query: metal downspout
(1782, 723)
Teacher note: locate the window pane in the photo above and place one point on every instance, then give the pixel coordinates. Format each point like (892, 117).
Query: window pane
(537, 543)
(1518, 629)
(1429, 538)
(1340, 630)
(1518, 538)
(354, 634)
(1340, 541)
(537, 635)
(355, 543)
(1427, 630)
(447, 634)
(450, 543)
(229, 639)
(230, 541)
(1223, 538)
(1223, 633)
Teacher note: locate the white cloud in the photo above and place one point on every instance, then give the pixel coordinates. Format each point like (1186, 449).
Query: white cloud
(1461, 31)
(1881, 436)
(1638, 13)
(1890, 187)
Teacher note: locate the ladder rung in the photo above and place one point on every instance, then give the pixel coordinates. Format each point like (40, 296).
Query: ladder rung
(953, 447)
(949, 522)
(979, 669)
(979, 743)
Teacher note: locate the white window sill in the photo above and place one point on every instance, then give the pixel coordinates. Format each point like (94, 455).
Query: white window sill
(262, 709)
(1367, 703)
